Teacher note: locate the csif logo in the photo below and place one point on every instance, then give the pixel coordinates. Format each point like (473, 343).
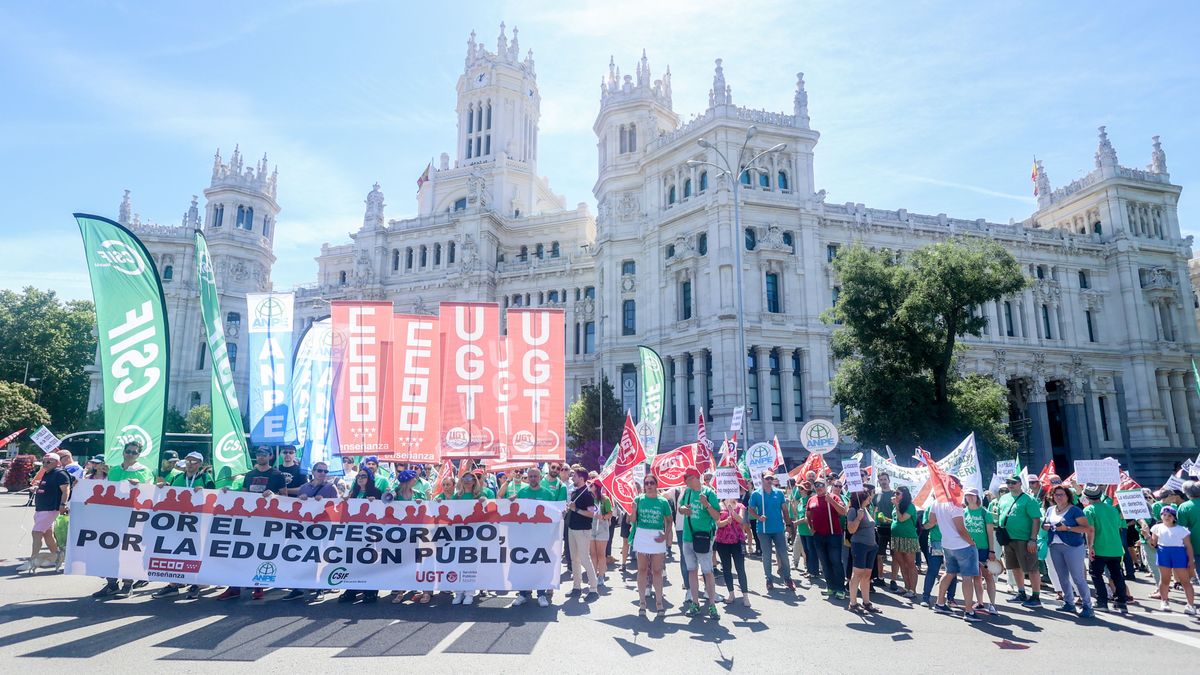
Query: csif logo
(206, 268)
(229, 449)
(337, 576)
(130, 433)
(120, 257)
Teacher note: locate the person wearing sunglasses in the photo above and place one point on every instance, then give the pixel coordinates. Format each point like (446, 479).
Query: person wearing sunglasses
(135, 472)
(293, 476)
(318, 487)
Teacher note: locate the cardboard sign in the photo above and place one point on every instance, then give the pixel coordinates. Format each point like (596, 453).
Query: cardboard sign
(1006, 468)
(726, 480)
(853, 475)
(1098, 471)
(1133, 504)
(45, 439)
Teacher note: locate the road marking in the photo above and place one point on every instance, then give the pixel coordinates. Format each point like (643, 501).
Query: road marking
(1171, 635)
(451, 638)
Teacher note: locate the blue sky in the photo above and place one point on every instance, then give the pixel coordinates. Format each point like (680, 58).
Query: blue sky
(932, 107)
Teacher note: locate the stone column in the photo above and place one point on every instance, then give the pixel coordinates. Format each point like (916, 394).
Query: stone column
(763, 358)
(786, 374)
(1167, 406)
(1039, 428)
(1183, 421)
(700, 375)
(681, 419)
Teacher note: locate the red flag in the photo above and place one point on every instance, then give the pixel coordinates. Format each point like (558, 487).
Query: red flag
(946, 488)
(728, 455)
(620, 488)
(1044, 476)
(536, 373)
(778, 454)
(814, 462)
(364, 392)
(704, 455)
(669, 467)
(6, 439)
(470, 405)
(630, 452)
(418, 399)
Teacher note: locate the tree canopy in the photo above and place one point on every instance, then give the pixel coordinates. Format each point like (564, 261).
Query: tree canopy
(583, 424)
(18, 409)
(899, 318)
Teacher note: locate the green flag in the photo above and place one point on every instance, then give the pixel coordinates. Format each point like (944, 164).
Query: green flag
(229, 456)
(131, 324)
(649, 427)
(1196, 376)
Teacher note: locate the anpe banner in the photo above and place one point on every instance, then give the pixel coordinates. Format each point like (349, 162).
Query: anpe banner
(363, 392)
(239, 539)
(652, 397)
(131, 324)
(312, 398)
(229, 452)
(470, 417)
(270, 344)
(537, 374)
(418, 398)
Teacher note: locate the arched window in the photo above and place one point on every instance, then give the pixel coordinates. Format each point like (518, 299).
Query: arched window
(628, 267)
(489, 115)
(469, 147)
(745, 178)
(772, 286)
(687, 188)
(342, 278)
(1097, 228)
(241, 216)
(751, 239)
(629, 318)
(168, 273)
(479, 121)
(703, 181)
(789, 241)
(437, 254)
(408, 258)
(460, 204)
(231, 348)
(487, 144)
(671, 195)
(624, 140)
(218, 215)
(552, 297)
(233, 317)
(633, 138)
(266, 226)
(554, 249)
(540, 251)
(395, 260)
(450, 254)
(523, 256)
(249, 217)
(702, 243)
(424, 256)
(782, 180)
(471, 119)
(764, 181)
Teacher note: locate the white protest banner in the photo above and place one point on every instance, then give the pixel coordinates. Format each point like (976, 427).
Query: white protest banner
(1133, 504)
(1174, 483)
(736, 424)
(760, 457)
(1006, 468)
(726, 480)
(45, 439)
(962, 462)
(1098, 471)
(853, 475)
(1188, 467)
(240, 539)
(819, 436)
(639, 473)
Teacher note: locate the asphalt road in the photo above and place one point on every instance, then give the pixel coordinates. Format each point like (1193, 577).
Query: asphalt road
(48, 620)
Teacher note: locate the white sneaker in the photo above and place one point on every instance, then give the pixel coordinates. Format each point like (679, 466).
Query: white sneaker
(458, 598)
(468, 598)
(543, 601)
(521, 599)
(1164, 606)
(1190, 610)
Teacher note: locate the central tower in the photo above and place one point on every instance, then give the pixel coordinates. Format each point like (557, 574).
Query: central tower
(498, 104)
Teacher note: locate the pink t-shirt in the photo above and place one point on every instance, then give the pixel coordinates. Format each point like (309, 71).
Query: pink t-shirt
(731, 533)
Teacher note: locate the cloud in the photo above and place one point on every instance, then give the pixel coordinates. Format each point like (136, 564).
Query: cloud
(1024, 199)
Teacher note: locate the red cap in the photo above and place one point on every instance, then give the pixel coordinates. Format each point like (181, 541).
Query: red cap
(691, 472)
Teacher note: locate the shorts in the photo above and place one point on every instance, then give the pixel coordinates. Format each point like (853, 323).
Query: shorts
(983, 554)
(962, 561)
(1017, 556)
(691, 559)
(1173, 557)
(863, 555)
(43, 521)
(600, 530)
(643, 542)
(905, 545)
(626, 528)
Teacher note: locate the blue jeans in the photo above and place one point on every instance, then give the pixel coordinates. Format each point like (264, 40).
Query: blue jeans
(682, 567)
(810, 552)
(778, 542)
(829, 552)
(934, 565)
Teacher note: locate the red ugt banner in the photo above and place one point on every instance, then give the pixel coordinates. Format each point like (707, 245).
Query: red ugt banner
(363, 401)
(536, 376)
(470, 415)
(418, 398)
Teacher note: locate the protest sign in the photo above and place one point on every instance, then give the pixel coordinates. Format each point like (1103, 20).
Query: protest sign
(726, 480)
(239, 539)
(962, 462)
(45, 439)
(1006, 468)
(1133, 504)
(760, 457)
(1098, 471)
(852, 475)
(736, 424)
(819, 436)
(1174, 483)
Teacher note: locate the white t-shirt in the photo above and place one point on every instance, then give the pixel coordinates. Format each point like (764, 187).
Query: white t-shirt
(945, 514)
(1169, 536)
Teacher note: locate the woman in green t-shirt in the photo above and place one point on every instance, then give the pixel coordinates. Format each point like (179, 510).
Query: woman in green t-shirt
(904, 541)
(652, 519)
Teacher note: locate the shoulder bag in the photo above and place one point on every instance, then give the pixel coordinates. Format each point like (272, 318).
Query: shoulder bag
(701, 541)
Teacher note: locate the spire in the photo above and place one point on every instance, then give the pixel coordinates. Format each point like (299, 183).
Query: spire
(470, 49)
(192, 217)
(514, 47)
(216, 164)
(235, 160)
(126, 208)
(1158, 158)
(373, 216)
(261, 171)
(1105, 154)
(800, 102)
(721, 93)
(643, 70)
(501, 42)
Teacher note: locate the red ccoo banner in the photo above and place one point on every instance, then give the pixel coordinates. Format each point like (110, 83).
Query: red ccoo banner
(470, 418)
(418, 397)
(363, 392)
(536, 365)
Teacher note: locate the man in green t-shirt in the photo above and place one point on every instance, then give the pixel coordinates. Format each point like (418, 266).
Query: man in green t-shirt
(1106, 546)
(1019, 516)
(534, 489)
(700, 509)
(1189, 512)
(136, 473)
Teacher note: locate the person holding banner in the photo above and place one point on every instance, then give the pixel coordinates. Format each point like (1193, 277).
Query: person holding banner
(699, 508)
(193, 477)
(1068, 528)
(651, 532)
(534, 489)
(406, 487)
(136, 473)
(365, 486)
(1176, 558)
(769, 515)
(1106, 547)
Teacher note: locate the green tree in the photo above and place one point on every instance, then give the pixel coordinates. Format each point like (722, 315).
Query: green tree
(583, 423)
(199, 420)
(48, 344)
(899, 319)
(18, 409)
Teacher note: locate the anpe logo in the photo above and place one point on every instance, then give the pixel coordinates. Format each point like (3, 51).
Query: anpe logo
(265, 574)
(819, 436)
(270, 314)
(337, 576)
(121, 257)
(174, 565)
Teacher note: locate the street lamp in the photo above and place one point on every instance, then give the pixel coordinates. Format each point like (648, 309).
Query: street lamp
(725, 169)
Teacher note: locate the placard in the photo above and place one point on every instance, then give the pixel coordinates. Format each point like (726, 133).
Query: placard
(819, 436)
(1133, 504)
(760, 457)
(1174, 483)
(45, 439)
(1006, 468)
(736, 424)
(1098, 471)
(726, 480)
(852, 475)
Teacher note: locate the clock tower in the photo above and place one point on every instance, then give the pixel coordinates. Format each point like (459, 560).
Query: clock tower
(498, 104)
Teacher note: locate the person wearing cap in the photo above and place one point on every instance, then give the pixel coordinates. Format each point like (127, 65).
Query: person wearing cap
(1018, 519)
(292, 473)
(193, 476)
(262, 479)
(1067, 527)
(980, 524)
(371, 463)
(406, 487)
(700, 510)
(1176, 558)
(1106, 546)
(768, 512)
(825, 513)
(346, 481)
(51, 495)
(130, 469)
(97, 469)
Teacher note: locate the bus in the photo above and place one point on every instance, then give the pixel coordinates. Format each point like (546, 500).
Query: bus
(84, 445)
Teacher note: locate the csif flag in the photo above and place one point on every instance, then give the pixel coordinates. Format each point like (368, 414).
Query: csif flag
(229, 452)
(650, 417)
(134, 346)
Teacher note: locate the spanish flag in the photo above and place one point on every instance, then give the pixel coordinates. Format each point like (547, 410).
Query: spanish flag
(1034, 177)
(424, 176)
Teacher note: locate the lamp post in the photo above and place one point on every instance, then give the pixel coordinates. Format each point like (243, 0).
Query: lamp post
(726, 169)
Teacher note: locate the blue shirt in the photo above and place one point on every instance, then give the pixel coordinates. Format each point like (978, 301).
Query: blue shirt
(769, 504)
